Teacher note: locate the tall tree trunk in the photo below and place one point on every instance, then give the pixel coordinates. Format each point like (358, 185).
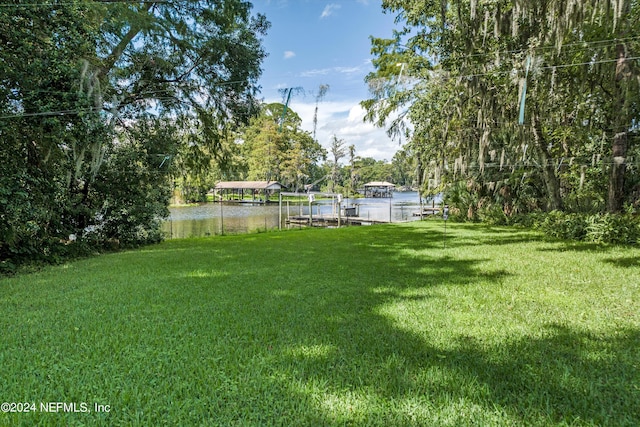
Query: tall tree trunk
(615, 197)
(616, 177)
(552, 183)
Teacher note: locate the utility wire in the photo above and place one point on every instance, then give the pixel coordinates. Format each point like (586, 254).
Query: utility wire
(576, 46)
(547, 67)
(94, 109)
(583, 44)
(83, 4)
(51, 113)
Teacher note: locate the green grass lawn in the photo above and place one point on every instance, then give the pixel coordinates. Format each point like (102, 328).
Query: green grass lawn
(375, 325)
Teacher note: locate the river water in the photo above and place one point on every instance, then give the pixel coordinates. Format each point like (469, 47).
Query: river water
(235, 218)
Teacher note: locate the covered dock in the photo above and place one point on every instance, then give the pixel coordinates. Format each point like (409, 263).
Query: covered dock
(379, 189)
(246, 191)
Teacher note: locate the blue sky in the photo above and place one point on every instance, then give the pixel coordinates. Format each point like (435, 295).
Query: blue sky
(314, 42)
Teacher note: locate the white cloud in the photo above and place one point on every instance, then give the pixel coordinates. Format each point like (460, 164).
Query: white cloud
(340, 116)
(288, 54)
(329, 9)
(345, 120)
(348, 70)
(340, 70)
(317, 72)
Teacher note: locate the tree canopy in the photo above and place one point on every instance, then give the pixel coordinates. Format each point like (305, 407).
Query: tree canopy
(277, 149)
(521, 105)
(97, 98)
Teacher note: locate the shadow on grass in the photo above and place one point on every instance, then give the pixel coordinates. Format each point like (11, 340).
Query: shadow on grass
(569, 246)
(568, 378)
(301, 328)
(465, 234)
(342, 361)
(625, 262)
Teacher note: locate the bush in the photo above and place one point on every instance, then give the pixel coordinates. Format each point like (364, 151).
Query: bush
(596, 228)
(136, 196)
(609, 228)
(29, 212)
(493, 214)
(528, 220)
(562, 225)
(42, 204)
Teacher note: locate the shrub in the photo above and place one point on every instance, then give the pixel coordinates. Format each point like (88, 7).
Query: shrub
(609, 228)
(562, 225)
(596, 228)
(528, 220)
(493, 214)
(136, 196)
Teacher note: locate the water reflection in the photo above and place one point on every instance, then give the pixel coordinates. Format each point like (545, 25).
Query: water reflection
(232, 218)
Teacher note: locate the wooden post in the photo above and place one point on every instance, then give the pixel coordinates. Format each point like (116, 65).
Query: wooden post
(221, 219)
(311, 199)
(280, 211)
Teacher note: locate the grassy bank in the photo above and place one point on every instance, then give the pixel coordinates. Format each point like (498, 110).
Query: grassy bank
(361, 326)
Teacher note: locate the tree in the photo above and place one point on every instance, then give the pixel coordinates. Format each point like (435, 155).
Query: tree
(370, 169)
(46, 126)
(322, 91)
(78, 76)
(532, 84)
(197, 166)
(404, 169)
(338, 151)
(353, 173)
(132, 190)
(277, 149)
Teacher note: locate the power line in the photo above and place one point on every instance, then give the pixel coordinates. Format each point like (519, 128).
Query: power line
(84, 4)
(530, 164)
(51, 113)
(548, 67)
(94, 109)
(575, 44)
